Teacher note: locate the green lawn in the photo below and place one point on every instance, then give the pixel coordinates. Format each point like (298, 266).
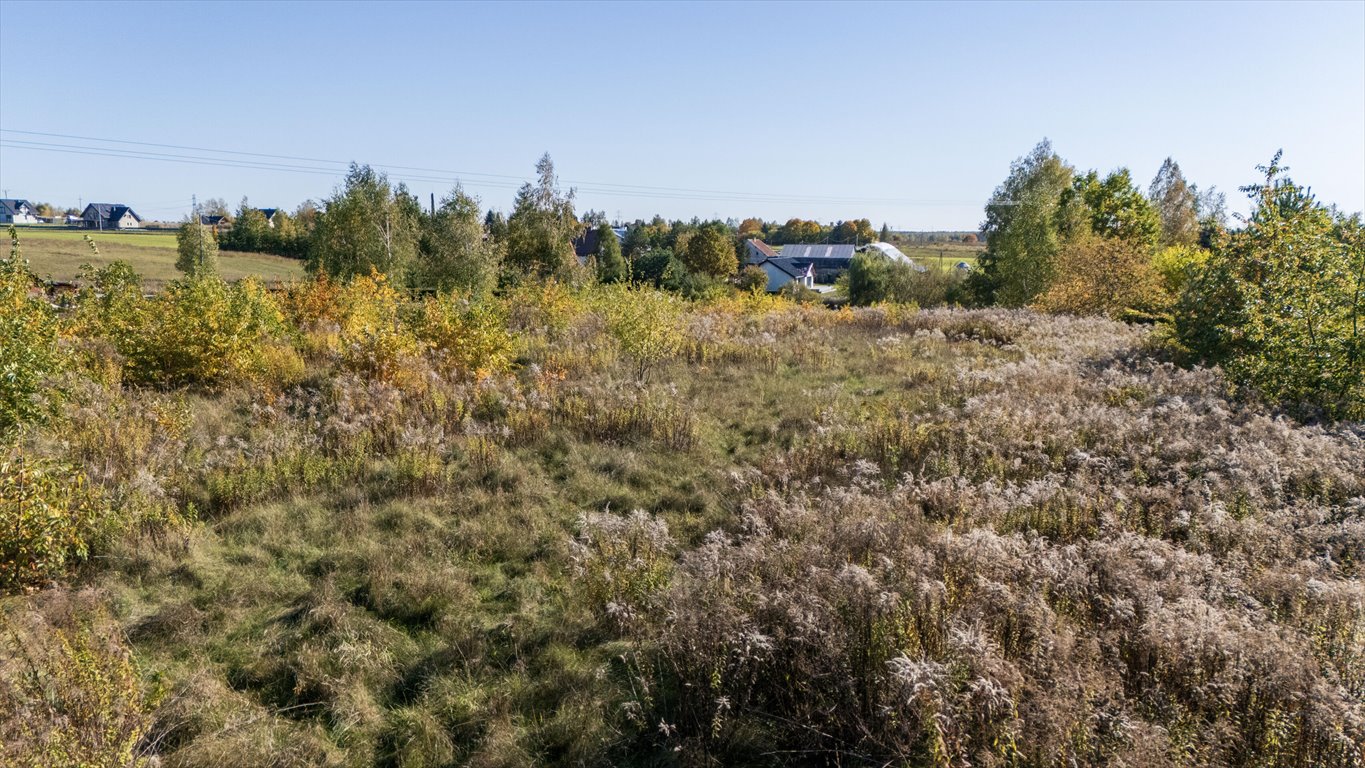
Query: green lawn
(164, 238)
(59, 253)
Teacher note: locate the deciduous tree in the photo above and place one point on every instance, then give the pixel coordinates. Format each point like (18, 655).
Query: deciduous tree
(454, 252)
(542, 226)
(366, 225)
(711, 251)
(1176, 205)
(611, 266)
(196, 249)
(1281, 302)
(1022, 229)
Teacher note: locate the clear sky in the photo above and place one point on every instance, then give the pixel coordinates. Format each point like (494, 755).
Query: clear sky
(906, 113)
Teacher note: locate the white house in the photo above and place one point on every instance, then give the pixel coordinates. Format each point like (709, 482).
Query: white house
(109, 216)
(14, 211)
(783, 271)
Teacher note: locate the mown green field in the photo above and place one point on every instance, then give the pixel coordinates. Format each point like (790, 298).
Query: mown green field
(59, 253)
(148, 238)
(944, 256)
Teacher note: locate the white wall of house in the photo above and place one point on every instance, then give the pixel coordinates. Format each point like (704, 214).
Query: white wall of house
(24, 216)
(777, 278)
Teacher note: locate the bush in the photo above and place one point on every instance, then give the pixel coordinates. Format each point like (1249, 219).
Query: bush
(49, 520)
(30, 352)
(1279, 302)
(1097, 275)
(873, 278)
(645, 322)
(200, 330)
(70, 693)
(467, 337)
(752, 278)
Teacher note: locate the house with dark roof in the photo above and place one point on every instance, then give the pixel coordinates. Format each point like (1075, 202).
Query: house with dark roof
(109, 216)
(782, 272)
(588, 244)
(756, 250)
(828, 261)
(215, 220)
(16, 211)
(269, 214)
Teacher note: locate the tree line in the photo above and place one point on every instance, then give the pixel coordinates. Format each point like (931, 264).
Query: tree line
(1276, 298)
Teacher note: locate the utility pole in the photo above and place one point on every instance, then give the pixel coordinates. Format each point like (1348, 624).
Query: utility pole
(194, 206)
(433, 205)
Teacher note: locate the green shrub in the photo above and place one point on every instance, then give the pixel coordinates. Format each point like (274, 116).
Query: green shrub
(466, 336)
(201, 330)
(1280, 303)
(646, 323)
(29, 348)
(48, 517)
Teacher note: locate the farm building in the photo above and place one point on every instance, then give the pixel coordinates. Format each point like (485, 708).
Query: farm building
(827, 261)
(782, 271)
(109, 216)
(14, 211)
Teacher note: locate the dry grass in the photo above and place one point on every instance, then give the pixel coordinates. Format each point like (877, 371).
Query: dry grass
(870, 536)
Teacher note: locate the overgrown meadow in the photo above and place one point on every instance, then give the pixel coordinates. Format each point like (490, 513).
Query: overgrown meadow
(340, 525)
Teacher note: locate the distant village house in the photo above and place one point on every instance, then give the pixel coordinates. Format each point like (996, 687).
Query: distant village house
(109, 216)
(783, 272)
(14, 211)
(587, 245)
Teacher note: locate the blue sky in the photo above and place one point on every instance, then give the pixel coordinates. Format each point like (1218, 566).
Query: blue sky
(905, 113)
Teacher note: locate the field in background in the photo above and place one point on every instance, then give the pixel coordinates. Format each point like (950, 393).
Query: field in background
(59, 253)
(943, 255)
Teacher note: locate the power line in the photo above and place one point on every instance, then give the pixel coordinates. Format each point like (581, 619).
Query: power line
(445, 176)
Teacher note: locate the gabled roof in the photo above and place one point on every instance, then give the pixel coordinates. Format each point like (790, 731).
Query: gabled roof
(211, 220)
(808, 252)
(790, 267)
(758, 250)
(268, 213)
(107, 212)
(11, 206)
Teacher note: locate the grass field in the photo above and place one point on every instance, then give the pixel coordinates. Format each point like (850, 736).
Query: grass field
(944, 255)
(941, 255)
(59, 253)
(866, 537)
